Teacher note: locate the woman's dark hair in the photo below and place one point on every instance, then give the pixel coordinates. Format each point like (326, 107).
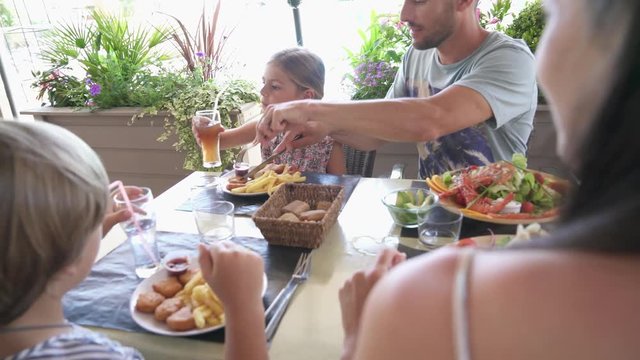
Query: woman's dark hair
(603, 213)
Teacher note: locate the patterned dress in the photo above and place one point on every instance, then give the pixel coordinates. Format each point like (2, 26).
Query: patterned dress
(313, 158)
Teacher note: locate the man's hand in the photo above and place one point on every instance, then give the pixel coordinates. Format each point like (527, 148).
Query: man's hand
(355, 291)
(293, 118)
(234, 273)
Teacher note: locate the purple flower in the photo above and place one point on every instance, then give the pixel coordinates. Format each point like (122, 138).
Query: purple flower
(200, 54)
(88, 81)
(94, 89)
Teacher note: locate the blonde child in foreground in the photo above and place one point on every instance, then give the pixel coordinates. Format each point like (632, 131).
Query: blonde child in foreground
(53, 202)
(292, 74)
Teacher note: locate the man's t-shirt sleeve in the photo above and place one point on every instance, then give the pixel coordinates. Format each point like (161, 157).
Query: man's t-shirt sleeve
(506, 79)
(397, 89)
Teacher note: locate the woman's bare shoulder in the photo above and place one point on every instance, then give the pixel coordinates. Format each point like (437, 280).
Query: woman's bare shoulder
(512, 296)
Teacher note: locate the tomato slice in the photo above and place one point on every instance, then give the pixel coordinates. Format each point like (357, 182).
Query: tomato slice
(465, 242)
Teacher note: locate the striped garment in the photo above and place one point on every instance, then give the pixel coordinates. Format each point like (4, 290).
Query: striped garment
(79, 343)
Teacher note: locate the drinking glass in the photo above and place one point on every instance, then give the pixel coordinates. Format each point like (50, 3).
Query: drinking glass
(208, 126)
(214, 218)
(140, 229)
(438, 226)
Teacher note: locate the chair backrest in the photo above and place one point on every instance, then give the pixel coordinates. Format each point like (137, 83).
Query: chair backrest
(359, 162)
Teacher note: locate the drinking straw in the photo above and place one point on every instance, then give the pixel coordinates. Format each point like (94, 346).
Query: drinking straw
(127, 203)
(217, 99)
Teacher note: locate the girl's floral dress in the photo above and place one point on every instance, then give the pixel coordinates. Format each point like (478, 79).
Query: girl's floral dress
(313, 158)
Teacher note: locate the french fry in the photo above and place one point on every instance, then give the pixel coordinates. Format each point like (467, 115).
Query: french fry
(195, 280)
(200, 314)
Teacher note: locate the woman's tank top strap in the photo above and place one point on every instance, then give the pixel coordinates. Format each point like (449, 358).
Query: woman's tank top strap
(460, 306)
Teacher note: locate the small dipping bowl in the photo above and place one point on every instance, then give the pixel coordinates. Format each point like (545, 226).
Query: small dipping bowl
(241, 169)
(177, 262)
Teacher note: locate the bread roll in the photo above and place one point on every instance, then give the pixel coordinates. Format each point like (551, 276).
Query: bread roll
(289, 217)
(297, 207)
(313, 215)
(323, 205)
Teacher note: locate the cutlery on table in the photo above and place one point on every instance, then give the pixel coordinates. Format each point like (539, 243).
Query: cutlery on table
(281, 302)
(260, 166)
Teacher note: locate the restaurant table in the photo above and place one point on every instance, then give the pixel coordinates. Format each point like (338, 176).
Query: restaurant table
(311, 328)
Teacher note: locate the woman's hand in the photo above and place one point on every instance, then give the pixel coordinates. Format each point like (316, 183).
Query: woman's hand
(234, 273)
(355, 291)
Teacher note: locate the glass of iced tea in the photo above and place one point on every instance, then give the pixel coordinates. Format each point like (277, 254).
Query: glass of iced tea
(208, 126)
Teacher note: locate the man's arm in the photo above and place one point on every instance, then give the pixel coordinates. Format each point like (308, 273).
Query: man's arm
(366, 125)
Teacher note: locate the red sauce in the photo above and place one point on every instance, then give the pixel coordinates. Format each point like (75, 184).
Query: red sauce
(241, 169)
(177, 264)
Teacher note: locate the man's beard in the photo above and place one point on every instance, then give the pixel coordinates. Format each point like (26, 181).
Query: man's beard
(433, 40)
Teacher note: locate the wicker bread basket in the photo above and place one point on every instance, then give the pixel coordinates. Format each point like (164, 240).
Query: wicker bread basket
(293, 233)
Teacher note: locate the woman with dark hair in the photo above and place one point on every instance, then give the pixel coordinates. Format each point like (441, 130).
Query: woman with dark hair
(573, 295)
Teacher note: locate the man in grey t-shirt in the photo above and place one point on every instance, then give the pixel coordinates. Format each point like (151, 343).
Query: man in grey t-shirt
(501, 70)
(465, 95)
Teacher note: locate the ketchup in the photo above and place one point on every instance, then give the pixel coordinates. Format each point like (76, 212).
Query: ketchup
(177, 264)
(241, 169)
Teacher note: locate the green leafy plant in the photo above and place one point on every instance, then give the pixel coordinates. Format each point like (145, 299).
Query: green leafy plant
(528, 24)
(202, 52)
(6, 15)
(114, 59)
(376, 62)
(119, 66)
(201, 95)
(494, 18)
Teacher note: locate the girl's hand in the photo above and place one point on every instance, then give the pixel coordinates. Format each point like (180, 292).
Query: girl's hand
(355, 291)
(234, 273)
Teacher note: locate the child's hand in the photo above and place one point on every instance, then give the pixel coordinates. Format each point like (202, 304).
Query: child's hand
(355, 291)
(234, 273)
(115, 215)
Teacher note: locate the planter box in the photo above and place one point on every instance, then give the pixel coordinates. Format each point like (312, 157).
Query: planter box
(541, 153)
(130, 152)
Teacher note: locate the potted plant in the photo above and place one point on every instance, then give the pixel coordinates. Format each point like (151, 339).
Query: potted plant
(109, 84)
(377, 61)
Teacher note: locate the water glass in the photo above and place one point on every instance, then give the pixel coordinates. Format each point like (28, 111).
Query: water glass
(438, 226)
(208, 126)
(140, 229)
(214, 219)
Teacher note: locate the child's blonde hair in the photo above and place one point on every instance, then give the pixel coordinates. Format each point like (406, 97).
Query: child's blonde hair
(53, 195)
(305, 68)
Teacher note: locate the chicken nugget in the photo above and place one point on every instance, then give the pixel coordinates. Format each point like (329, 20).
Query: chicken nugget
(168, 287)
(168, 307)
(181, 320)
(147, 302)
(187, 275)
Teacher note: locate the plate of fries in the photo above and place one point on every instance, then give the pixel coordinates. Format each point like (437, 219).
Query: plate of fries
(266, 182)
(206, 308)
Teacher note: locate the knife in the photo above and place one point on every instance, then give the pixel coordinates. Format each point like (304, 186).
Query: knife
(261, 166)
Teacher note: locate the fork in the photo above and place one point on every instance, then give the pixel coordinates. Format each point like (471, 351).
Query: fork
(240, 156)
(281, 302)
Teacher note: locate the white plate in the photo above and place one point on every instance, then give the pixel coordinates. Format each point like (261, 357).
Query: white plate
(224, 180)
(149, 322)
